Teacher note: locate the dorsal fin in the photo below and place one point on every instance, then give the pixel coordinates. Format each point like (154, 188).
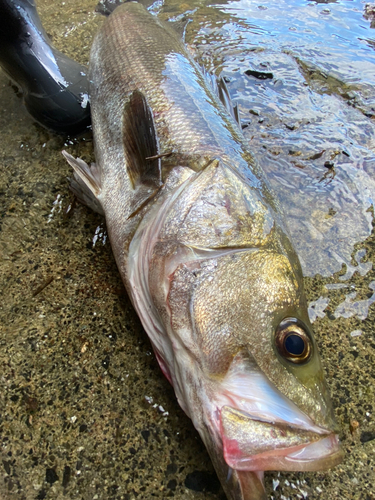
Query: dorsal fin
(140, 143)
(220, 88)
(224, 97)
(106, 7)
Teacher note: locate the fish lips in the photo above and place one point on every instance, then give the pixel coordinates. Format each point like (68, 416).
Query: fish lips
(250, 444)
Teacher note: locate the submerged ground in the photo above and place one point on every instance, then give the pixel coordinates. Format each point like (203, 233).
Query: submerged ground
(85, 412)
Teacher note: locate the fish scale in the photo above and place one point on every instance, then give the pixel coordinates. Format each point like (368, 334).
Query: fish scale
(204, 253)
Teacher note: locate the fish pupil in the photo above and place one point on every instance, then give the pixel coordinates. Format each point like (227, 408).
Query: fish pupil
(295, 345)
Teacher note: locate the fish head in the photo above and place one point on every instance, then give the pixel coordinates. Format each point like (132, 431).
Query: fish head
(239, 349)
(260, 400)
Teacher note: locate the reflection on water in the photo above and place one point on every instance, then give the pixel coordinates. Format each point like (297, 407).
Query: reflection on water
(358, 308)
(317, 308)
(303, 75)
(362, 267)
(346, 309)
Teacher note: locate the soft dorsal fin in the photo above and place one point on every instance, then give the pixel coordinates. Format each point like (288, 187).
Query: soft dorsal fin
(140, 143)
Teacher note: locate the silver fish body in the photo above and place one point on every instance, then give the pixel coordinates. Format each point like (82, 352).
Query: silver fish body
(205, 256)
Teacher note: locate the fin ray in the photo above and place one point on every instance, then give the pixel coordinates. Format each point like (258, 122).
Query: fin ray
(220, 88)
(226, 100)
(106, 7)
(86, 183)
(140, 143)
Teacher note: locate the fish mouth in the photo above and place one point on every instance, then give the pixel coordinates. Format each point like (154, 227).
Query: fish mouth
(250, 444)
(261, 429)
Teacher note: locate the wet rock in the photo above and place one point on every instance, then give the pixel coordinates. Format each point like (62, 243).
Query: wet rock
(259, 75)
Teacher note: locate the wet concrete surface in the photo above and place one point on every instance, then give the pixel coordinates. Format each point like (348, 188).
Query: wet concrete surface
(85, 412)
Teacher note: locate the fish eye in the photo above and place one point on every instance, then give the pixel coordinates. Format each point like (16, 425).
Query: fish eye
(293, 342)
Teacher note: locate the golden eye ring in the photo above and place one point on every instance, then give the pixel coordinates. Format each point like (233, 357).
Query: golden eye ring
(293, 342)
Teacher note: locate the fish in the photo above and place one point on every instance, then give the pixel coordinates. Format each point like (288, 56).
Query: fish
(203, 250)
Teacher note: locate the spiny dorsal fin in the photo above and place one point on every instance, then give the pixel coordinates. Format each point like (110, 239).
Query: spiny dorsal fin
(224, 97)
(140, 143)
(106, 7)
(220, 88)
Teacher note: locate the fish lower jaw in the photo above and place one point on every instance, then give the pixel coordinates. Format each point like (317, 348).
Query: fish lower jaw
(301, 458)
(253, 445)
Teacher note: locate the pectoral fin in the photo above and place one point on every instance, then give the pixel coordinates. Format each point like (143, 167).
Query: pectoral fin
(140, 143)
(86, 183)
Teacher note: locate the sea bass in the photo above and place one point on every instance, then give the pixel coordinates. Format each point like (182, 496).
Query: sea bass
(204, 253)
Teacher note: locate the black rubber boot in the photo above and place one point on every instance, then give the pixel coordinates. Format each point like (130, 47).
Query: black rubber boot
(55, 88)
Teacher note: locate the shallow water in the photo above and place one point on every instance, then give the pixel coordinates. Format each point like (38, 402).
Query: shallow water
(86, 412)
(303, 75)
